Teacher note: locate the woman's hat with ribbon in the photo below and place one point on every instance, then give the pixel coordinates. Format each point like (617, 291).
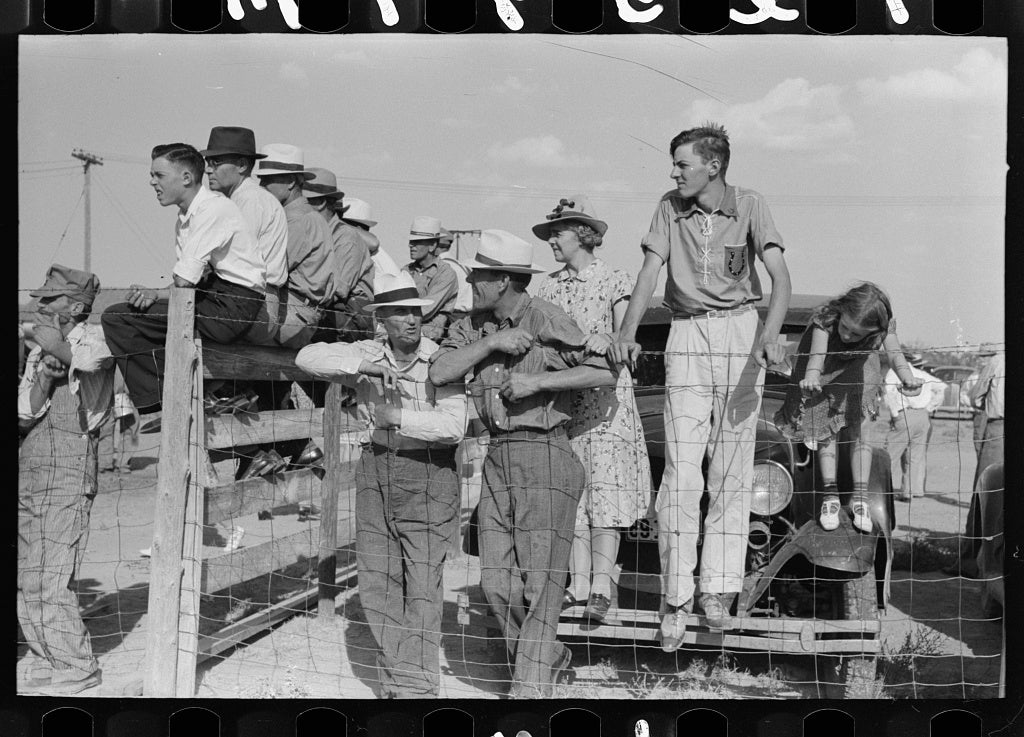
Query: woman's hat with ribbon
(501, 251)
(575, 208)
(395, 290)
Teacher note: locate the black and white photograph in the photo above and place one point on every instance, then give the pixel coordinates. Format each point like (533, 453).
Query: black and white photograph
(368, 366)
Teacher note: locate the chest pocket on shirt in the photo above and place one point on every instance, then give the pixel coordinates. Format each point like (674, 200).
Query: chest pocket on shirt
(735, 260)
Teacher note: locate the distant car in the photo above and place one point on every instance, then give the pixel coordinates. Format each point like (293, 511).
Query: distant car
(952, 406)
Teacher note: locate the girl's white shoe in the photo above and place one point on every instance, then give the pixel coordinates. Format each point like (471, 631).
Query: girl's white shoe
(861, 514)
(828, 518)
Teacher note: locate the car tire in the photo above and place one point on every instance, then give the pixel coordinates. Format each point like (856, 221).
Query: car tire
(857, 675)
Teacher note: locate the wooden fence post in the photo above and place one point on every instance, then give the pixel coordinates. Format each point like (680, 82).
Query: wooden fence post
(170, 663)
(327, 565)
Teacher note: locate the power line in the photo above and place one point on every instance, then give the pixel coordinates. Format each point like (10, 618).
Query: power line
(66, 227)
(125, 214)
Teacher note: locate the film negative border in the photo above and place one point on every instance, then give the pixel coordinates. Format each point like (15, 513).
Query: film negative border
(116, 718)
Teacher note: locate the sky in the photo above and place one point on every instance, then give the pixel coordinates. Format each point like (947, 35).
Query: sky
(882, 158)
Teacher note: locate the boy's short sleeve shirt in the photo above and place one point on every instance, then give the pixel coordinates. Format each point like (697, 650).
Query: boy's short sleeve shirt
(711, 257)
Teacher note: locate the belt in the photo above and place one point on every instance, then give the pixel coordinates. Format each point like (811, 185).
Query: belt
(308, 301)
(440, 453)
(745, 307)
(554, 432)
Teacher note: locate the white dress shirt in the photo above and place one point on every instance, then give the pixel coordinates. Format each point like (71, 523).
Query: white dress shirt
(212, 235)
(90, 378)
(266, 218)
(431, 416)
(931, 397)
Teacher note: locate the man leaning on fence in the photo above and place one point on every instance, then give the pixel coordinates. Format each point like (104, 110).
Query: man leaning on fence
(407, 493)
(525, 355)
(64, 399)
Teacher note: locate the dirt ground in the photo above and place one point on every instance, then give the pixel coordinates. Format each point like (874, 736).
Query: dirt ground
(936, 641)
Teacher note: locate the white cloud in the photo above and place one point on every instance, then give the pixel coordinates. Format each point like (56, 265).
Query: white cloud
(545, 151)
(978, 76)
(293, 73)
(792, 116)
(511, 83)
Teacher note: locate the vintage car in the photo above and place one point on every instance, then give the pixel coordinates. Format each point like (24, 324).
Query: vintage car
(806, 591)
(953, 406)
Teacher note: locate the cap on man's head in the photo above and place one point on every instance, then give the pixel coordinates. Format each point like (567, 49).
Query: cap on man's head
(425, 228)
(356, 210)
(229, 139)
(502, 251)
(282, 158)
(323, 184)
(80, 286)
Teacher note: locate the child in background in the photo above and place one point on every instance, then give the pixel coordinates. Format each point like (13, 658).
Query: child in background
(834, 385)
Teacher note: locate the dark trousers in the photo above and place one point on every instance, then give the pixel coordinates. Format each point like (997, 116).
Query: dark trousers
(57, 478)
(224, 313)
(407, 508)
(990, 450)
(532, 484)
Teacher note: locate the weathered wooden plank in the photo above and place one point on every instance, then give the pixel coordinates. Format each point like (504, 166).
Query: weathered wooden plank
(192, 547)
(244, 362)
(253, 428)
(174, 473)
(231, 569)
(327, 564)
(239, 498)
(773, 626)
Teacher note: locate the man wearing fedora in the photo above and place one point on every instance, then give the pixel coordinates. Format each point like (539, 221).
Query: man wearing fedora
(407, 494)
(910, 421)
(230, 157)
(358, 213)
(353, 265)
(435, 279)
(216, 254)
(65, 398)
(525, 355)
(282, 172)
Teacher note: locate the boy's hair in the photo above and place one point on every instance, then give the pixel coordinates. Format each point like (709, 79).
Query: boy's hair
(710, 141)
(183, 155)
(867, 306)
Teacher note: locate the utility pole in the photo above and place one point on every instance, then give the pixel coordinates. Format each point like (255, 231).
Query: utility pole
(88, 160)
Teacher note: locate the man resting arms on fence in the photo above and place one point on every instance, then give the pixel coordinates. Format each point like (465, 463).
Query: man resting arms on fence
(407, 493)
(526, 354)
(216, 253)
(64, 399)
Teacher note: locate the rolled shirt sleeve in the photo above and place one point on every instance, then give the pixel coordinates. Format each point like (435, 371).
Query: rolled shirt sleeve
(332, 361)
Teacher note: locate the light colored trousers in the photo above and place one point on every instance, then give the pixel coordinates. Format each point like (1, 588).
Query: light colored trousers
(712, 399)
(908, 449)
(284, 320)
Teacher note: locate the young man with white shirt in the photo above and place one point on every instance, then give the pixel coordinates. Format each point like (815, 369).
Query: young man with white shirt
(64, 399)
(407, 494)
(216, 254)
(909, 423)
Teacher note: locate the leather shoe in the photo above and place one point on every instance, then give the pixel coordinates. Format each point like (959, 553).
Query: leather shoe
(597, 607)
(569, 601)
(673, 626)
(716, 613)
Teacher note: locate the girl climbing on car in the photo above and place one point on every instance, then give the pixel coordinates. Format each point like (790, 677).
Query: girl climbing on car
(835, 383)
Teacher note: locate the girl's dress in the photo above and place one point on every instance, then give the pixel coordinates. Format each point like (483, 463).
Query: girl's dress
(850, 383)
(605, 429)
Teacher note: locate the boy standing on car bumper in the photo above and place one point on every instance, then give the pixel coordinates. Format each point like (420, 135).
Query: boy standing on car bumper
(708, 233)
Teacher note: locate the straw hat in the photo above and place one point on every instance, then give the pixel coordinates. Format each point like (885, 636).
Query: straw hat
(282, 158)
(576, 208)
(395, 290)
(501, 251)
(356, 210)
(425, 228)
(323, 184)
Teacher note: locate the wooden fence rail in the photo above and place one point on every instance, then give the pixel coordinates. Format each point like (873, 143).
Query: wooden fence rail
(189, 496)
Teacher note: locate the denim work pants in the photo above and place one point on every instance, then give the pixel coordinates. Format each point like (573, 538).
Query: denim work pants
(57, 476)
(407, 507)
(531, 488)
(712, 398)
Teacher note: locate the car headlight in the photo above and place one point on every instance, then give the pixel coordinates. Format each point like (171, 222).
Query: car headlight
(773, 488)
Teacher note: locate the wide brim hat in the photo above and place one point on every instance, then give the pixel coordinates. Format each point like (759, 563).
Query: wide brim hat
(229, 139)
(396, 290)
(81, 286)
(323, 183)
(986, 349)
(356, 210)
(425, 228)
(281, 158)
(446, 238)
(576, 208)
(502, 251)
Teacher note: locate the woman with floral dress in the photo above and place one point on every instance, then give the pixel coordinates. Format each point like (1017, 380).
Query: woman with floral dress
(605, 429)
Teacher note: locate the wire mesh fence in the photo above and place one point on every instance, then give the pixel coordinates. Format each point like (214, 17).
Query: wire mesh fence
(911, 608)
